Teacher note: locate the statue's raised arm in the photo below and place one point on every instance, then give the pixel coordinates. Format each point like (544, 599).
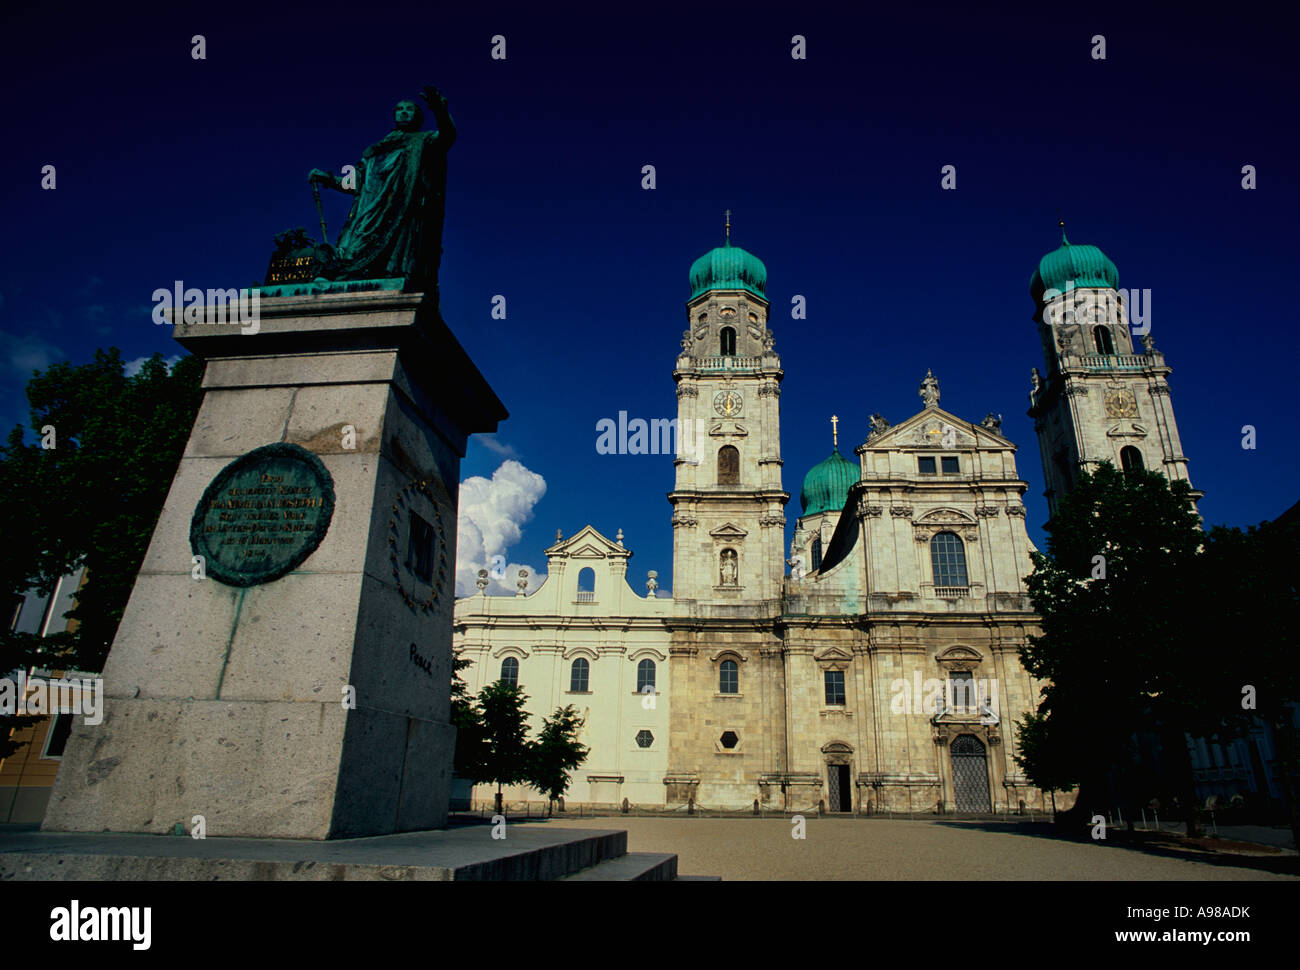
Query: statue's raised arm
(437, 102)
(395, 227)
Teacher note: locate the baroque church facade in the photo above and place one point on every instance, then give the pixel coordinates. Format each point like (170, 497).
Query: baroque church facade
(873, 666)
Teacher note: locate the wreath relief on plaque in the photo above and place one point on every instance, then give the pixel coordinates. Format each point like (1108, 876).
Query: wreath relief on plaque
(417, 546)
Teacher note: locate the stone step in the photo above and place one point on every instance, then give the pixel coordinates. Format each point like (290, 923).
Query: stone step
(631, 867)
(466, 853)
(698, 879)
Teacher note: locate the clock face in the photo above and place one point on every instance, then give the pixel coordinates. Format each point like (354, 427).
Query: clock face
(1120, 403)
(728, 403)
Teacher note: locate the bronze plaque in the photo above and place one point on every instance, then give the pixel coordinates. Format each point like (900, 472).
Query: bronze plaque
(263, 515)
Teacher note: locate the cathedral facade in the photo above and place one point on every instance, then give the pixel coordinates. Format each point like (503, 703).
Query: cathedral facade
(873, 665)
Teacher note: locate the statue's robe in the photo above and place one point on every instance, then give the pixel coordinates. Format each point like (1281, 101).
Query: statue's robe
(395, 226)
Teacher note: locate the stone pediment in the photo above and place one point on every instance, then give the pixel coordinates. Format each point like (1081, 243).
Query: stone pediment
(832, 653)
(729, 531)
(728, 429)
(956, 659)
(946, 517)
(1130, 430)
(587, 543)
(934, 427)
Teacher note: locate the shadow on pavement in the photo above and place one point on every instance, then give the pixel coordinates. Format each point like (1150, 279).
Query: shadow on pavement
(1150, 843)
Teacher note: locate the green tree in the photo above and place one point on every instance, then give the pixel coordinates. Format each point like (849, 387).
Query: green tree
(22, 651)
(470, 760)
(93, 499)
(556, 752)
(507, 757)
(1245, 600)
(90, 500)
(1113, 648)
(1045, 754)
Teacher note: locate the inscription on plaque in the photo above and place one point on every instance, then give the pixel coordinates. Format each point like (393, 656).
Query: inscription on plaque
(263, 515)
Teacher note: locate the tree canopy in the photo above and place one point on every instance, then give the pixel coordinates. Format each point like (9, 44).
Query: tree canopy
(87, 491)
(492, 743)
(1149, 625)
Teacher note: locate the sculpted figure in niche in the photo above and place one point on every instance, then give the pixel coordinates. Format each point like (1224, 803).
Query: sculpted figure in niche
(728, 572)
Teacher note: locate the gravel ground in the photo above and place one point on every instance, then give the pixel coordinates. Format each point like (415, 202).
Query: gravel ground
(874, 849)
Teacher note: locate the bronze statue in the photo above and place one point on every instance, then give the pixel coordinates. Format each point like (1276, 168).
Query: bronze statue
(395, 226)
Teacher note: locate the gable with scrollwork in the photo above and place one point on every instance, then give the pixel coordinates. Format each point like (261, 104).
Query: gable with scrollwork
(932, 523)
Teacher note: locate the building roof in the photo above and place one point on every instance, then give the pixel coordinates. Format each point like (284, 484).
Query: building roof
(1081, 265)
(826, 486)
(728, 267)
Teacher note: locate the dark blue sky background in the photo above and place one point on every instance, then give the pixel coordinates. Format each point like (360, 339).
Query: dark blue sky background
(171, 168)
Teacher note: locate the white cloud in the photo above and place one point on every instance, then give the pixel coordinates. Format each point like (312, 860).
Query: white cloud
(492, 515)
(491, 443)
(133, 366)
(27, 353)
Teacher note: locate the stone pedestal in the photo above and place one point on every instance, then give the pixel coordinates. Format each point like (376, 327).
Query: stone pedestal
(232, 702)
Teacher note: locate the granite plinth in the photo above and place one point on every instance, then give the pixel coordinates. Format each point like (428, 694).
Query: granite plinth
(314, 705)
(460, 853)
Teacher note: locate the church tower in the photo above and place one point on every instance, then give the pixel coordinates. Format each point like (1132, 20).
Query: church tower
(1098, 400)
(728, 504)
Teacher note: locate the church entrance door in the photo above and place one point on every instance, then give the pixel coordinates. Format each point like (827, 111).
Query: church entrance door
(970, 774)
(841, 792)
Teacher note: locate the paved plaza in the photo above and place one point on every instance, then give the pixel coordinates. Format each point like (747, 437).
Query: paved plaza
(882, 849)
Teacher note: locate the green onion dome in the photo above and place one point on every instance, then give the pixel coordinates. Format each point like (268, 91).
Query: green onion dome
(1080, 265)
(826, 486)
(728, 267)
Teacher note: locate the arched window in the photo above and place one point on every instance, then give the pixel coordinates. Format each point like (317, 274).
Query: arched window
(579, 675)
(645, 677)
(727, 340)
(817, 553)
(728, 465)
(948, 559)
(1131, 459)
(510, 671)
(1101, 337)
(586, 585)
(728, 678)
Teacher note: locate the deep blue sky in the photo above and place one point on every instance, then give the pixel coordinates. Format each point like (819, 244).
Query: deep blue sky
(171, 168)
